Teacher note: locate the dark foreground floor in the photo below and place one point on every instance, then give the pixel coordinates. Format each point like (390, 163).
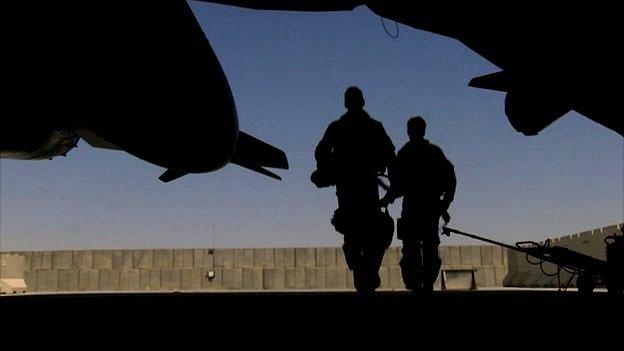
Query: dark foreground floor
(502, 303)
(517, 315)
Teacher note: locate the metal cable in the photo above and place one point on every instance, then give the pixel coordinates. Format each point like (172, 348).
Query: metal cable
(396, 25)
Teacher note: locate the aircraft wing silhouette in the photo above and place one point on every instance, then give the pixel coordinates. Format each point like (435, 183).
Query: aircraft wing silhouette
(126, 76)
(292, 5)
(554, 59)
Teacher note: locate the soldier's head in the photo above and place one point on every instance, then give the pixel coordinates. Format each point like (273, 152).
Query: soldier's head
(354, 99)
(416, 127)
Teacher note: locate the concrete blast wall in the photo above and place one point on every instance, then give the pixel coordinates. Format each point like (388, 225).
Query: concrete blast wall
(321, 268)
(234, 269)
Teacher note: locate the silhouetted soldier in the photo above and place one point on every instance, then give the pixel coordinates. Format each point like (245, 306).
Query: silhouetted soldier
(353, 151)
(425, 178)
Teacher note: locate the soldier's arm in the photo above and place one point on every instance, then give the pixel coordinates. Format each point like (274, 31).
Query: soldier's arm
(322, 154)
(395, 176)
(451, 184)
(386, 149)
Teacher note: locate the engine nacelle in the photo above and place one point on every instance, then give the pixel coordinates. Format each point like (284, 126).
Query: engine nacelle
(150, 85)
(529, 113)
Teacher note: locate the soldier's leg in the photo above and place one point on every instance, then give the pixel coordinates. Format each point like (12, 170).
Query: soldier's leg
(411, 264)
(431, 257)
(373, 256)
(352, 249)
(431, 262)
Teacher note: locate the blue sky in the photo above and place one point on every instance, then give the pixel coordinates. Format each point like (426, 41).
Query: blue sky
(288, 72)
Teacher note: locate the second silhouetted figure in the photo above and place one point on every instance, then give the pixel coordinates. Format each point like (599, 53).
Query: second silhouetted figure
(425, 178)
(351, 154)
